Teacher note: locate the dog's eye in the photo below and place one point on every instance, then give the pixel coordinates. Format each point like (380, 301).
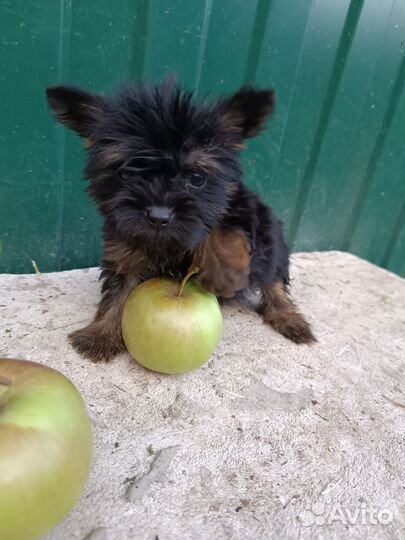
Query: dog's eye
(197, 180)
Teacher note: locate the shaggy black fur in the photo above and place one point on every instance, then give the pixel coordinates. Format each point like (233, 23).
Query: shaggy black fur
(165, 173)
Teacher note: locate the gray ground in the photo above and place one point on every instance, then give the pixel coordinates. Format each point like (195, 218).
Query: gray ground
(268, 441)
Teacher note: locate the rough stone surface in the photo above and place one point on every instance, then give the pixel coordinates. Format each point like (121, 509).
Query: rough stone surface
(269, 440)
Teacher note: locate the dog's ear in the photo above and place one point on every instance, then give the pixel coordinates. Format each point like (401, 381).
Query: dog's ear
(75, 108)
(247, 110)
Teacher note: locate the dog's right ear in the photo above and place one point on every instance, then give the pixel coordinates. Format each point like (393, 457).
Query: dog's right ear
(75, 108)
(247, 111)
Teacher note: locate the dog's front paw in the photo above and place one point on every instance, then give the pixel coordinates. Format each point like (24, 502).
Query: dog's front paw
(292, 325)
(95, 345)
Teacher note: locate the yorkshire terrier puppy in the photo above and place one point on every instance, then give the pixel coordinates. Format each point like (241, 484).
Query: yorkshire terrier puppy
(166, 175)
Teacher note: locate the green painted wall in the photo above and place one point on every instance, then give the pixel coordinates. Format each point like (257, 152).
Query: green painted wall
(332, 162)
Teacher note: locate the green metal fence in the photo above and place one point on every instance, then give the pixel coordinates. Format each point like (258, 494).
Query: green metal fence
(331, 163)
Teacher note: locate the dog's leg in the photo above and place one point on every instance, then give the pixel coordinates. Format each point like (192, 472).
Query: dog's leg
(224, 262)
(279, 311)
(102, 338)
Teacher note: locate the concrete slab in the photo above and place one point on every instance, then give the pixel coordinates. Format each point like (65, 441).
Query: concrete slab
(268, 441)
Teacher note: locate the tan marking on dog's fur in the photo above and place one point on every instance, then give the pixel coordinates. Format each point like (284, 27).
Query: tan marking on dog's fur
(233, 131)
(112, 155)
(106, 206)
(124, 260)
(224, 262)
(279, 311)
(88, 142)
(231, 122)
(101, 339)
(239, 146)
(205, 159)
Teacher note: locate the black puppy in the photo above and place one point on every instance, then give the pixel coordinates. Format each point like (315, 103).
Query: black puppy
(166, 175)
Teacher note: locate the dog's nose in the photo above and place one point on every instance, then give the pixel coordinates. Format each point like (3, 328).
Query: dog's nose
(159, 215)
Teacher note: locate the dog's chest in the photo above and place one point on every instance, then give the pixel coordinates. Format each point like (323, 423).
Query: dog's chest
(164, 264)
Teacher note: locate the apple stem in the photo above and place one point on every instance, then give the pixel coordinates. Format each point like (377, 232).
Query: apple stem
(188, 276)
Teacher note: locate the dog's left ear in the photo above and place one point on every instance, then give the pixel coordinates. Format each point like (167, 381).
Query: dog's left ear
(75, 108)
(247, 110)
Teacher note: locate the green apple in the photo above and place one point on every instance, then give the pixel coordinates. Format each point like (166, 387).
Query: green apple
(45, 448)
(171, 328)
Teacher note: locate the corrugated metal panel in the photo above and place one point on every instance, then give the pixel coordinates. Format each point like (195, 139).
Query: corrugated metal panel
(332, 162)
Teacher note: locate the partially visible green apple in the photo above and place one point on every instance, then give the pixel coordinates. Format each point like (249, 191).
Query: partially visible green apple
(171, 328)
(45, 448)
